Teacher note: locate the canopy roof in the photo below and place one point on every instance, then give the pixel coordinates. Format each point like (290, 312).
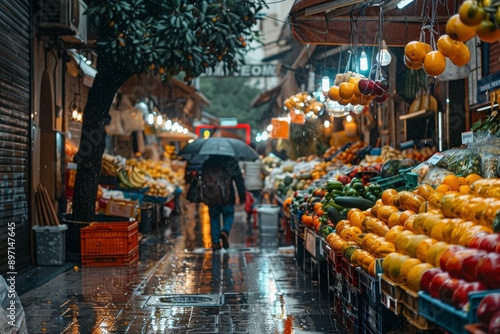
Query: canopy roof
(329, 22)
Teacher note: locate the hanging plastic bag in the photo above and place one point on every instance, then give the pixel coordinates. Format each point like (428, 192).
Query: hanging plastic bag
(12, 317)
(115, 127)
(133, 120)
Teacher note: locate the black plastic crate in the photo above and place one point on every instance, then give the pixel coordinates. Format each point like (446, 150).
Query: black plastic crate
(377, 319)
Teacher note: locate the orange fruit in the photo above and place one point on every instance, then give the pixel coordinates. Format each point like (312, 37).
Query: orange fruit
(346, 90)
(354, 100)
(448, 46)
(394, 219)
(355, 89)
(452, 181)
(415, 51)
(434, 63)
(464, 189)
(333, 93)
(471, 14)
(462, 180)
(488, 32)
(356, 218)
(425, 191)
(471, 178)
(443, 188)
(351, 211)
(343, 102)
(405, 215)
(414, 65)
(463, 55)
(393, 233)
(459, 31)
(387, 194)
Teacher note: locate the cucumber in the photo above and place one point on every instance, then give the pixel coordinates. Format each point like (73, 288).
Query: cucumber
(354, 202)
(334, 215)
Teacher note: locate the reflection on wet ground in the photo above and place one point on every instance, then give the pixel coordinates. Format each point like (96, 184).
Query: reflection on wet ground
(180, 286)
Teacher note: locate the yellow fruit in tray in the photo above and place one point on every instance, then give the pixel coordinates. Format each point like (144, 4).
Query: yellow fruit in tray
(415, 276)
(423, 248)
(393, 233)
(401, 241)
(434, 251)
(413, 242)
(425, 191)
(395, 268)
(406, 267)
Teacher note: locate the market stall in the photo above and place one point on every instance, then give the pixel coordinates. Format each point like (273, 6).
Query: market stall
(402, 234)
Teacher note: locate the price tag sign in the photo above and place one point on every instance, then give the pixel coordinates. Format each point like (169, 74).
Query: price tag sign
(435, 158)
(467, 137)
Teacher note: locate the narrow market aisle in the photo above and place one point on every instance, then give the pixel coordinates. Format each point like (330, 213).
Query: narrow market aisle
(181, 286)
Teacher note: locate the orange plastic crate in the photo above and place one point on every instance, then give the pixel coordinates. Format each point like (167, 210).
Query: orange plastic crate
(109, 244)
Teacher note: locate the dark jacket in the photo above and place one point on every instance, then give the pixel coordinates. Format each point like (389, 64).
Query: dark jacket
(231, 165)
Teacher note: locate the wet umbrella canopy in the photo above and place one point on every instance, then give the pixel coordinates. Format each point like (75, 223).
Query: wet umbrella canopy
(219, 146)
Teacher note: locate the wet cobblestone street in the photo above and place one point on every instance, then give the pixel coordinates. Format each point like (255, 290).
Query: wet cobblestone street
(180, 286)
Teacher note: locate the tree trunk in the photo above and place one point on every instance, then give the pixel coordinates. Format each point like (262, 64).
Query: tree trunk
(110, 76)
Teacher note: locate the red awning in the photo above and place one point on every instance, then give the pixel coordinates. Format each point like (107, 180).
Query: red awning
(329, 23)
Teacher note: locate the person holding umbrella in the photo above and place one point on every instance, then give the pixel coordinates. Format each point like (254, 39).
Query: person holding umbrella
(219, 175)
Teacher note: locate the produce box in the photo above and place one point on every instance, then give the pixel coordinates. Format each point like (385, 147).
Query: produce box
(448, 317)
(378, 319)
(109, 244)
(391, 294)
(121, 208)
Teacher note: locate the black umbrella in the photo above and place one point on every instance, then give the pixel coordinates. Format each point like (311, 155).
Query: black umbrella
(201, 149)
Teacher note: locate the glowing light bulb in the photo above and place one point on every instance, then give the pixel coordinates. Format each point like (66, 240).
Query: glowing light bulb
(326, 123)
(363, 62)
(325, 84)
(384, 57)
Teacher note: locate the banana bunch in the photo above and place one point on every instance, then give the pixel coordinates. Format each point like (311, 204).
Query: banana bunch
(132, 178)
(111, 164)
(389, 152)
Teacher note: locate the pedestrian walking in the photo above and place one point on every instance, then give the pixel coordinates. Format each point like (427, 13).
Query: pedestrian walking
(254, 173)
(219, 176)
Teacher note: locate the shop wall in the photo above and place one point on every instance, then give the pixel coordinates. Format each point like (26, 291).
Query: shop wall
(15, 135)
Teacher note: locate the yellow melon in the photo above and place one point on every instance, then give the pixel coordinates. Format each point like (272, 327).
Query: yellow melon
(406, 267)
(412, 244)
(423, 248)
(393, 233)
(433, 252)
(414, 276)
(401, 241)
(395, 268)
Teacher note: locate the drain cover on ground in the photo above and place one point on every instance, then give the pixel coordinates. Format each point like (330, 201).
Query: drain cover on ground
(185, 300)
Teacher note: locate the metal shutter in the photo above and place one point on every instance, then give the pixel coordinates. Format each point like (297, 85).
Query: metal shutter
(15, 109)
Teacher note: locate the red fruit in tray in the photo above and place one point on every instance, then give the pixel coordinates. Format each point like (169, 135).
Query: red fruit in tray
(447, 254)
(469, 265)
(366, 86)
(427, 277)
(476, 240)
(488, 270)
(381, 98)
(490, 242)
(487, 308)
(436, 284)
(454, 263)
(448, 289)
(461, 296)
(494, 325)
